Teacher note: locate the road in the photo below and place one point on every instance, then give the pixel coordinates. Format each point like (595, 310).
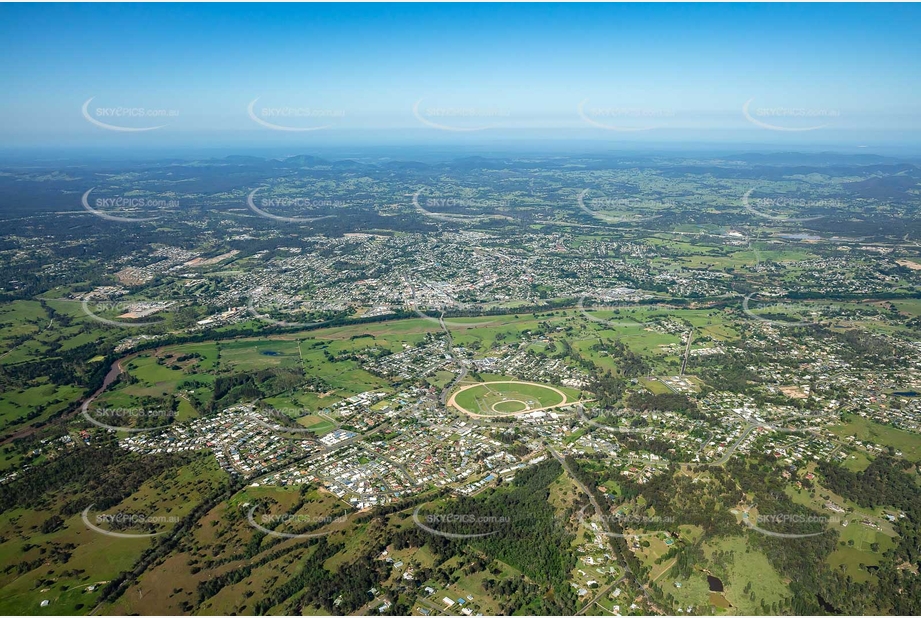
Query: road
(604, 525)
(732, 449)
(687, 353)
(598, 510)
(580, 411)
(391, 461)
(600, 595)
(443, 398)
(321, 453)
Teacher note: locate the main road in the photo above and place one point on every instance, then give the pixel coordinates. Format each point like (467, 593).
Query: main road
(463, 366)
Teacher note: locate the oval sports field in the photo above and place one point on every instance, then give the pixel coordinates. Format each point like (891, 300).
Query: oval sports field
(506, 398)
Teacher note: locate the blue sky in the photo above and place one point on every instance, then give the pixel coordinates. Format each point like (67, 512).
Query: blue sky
(838, 73)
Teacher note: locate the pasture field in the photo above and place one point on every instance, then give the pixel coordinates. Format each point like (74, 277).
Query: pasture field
(158, 374)
(35, 403)
(856, 540)
(402, 330)
(21, 323)
(30, 333)
(908, 443)
(208, 351)
(165, 590)
(254, 354)
(737, 259)
(857, 461)
(640, 338)
(637, 329)
(655, 387)
(440, 379)
(74, 557)
(746, 567)
(652, 548)
(732, 560)
(151, 373)
(691, 591)
(317, 424)
(912, 307)
(858, 545)
(298, 408)
(816, 499)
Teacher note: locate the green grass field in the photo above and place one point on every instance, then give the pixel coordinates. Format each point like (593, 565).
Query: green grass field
(94, 558)
(507, 398)
(856, 540)
(908, 443)
(739, 567)
(856, 548)
(29, 334)
(47, 399)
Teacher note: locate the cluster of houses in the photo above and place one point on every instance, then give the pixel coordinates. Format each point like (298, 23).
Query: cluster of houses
(243, 441)
(413, 362)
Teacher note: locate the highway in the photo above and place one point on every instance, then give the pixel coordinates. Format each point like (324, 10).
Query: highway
(443, 398)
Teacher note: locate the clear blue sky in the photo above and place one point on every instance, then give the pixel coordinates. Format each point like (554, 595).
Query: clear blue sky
(675, 70)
